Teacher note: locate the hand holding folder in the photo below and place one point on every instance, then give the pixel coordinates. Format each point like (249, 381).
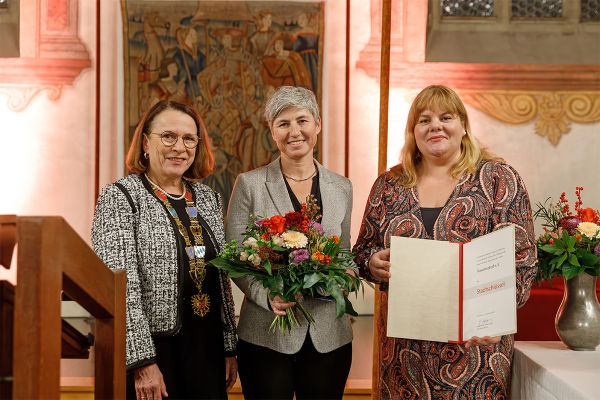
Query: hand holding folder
(450, 292)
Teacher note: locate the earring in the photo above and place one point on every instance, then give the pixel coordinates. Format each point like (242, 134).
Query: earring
(146, 155)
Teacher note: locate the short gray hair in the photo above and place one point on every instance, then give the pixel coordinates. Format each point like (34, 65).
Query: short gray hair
(290, 96)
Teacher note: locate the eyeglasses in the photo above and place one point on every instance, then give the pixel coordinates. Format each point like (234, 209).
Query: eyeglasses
(170, 138)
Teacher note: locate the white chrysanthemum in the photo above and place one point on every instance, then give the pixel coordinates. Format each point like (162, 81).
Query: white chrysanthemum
(294, 240)
(278, 240)
(244, 256)
(589, 229)
(251, 242)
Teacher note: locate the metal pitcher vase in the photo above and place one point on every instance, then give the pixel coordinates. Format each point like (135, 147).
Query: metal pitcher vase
(578, 317)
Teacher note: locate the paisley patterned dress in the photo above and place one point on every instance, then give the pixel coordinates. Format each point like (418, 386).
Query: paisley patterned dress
(482, 202)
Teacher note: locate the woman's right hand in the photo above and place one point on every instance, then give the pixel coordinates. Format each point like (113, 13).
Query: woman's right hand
(379, 265)
(278, 305)
(149, 383)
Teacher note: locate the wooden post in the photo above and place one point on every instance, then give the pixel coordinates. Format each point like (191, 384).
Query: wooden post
(384, 94)
(53, 258)
(110, 356)
(37, 325)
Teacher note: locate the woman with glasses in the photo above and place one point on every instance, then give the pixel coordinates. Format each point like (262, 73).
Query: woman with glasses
(162, 227)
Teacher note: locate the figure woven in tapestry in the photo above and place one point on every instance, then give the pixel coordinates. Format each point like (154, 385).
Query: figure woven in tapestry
(225, 58)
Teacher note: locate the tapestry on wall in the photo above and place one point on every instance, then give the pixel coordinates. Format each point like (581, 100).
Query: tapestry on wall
(225, 58)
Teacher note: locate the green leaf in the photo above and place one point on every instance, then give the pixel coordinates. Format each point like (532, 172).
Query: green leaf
(552, 249)
(220, 263)
(311, 279)
(573, 260)
(340, 303)
(331, 248)
(595, 271)
(570, 271)
(349, 308)
(571, 244)
(267, 266)
(586, 258)
(561, 260)
(236, 274)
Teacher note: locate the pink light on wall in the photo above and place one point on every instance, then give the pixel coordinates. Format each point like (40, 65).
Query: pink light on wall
(399, 104)
(17, 161)
(58, 17)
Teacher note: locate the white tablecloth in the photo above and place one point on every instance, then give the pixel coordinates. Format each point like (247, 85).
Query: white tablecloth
(549, 370)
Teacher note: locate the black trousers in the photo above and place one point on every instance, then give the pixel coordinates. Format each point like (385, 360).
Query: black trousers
(266, 374)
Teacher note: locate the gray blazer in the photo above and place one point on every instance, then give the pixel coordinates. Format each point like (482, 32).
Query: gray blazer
(263, 192)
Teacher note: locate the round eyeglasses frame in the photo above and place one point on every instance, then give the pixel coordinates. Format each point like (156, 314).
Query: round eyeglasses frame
(165, 139)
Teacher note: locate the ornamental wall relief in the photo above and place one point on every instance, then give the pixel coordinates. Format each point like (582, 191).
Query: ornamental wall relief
(553, 111)
(52, 54)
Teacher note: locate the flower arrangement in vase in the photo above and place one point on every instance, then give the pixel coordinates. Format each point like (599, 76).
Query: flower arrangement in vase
(569, 247)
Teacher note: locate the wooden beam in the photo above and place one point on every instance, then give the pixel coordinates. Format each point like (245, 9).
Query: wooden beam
(37, 326)
(110, 351)
(384, 94)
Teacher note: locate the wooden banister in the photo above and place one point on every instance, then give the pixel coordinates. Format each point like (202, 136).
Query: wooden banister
(51, 258)
(8, 238)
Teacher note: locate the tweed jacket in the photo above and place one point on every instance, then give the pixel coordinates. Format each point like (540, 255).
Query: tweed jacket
(263, 192)
(146, 243)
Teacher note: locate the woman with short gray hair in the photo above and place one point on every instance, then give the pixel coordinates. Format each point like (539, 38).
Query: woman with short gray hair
(312, 361)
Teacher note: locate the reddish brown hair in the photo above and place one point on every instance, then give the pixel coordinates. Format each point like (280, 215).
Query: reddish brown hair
(204, 161)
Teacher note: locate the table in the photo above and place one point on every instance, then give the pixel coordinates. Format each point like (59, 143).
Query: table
(549, 370)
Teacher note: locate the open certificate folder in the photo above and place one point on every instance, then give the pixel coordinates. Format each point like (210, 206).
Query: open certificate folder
(450, 292)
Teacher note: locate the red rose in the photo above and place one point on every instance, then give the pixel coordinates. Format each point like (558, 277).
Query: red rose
(588, 215)
(276, 225)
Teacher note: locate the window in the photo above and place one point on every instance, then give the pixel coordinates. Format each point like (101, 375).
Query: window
(514, 31)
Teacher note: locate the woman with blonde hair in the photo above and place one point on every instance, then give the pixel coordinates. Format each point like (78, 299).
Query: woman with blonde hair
(446, 188)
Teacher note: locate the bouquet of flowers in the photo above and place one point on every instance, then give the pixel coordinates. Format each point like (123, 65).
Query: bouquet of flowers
(570, 244)
(292, 257)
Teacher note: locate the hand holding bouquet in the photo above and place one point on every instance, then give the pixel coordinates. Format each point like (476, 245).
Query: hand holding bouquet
(291, 256)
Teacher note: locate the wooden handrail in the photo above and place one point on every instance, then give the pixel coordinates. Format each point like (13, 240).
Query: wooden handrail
(52, 258)
(8, 238)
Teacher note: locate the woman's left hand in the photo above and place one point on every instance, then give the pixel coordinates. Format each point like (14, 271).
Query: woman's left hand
(482, 341)
(230, 371)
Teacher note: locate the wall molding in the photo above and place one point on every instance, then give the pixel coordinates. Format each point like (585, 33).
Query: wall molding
(19, 97)
(52, 54)
(553, 111)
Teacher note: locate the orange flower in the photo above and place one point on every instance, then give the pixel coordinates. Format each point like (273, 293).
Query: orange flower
(320, 257)
(588, 215)
(276, 224)
(335, 238)
(265, 236)
(578, 237)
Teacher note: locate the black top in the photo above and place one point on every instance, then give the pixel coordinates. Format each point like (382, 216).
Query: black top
(192, 361)
(314, 190)
(429, 216)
